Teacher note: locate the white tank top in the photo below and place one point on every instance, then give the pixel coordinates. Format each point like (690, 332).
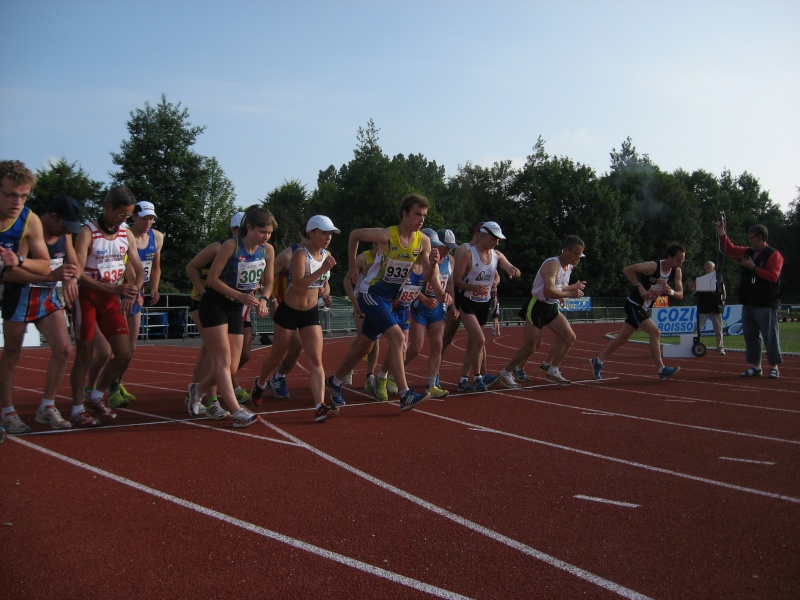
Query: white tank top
(562, 279)
(312, 264)
(481, 274)
(106, 259)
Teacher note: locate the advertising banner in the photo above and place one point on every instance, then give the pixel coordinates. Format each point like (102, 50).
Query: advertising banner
(575, 304)
(682, 320)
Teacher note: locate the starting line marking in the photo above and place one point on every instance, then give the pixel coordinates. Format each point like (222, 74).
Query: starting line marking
(604, 501)
(745, 460)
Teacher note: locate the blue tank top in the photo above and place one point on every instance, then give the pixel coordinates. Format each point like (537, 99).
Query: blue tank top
(243, 270)
(11, 235)
(147, 255)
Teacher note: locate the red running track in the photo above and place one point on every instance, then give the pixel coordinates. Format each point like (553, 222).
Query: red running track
(623, 487)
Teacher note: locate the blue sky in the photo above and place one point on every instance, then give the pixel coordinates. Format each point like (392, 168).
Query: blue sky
(283, 87)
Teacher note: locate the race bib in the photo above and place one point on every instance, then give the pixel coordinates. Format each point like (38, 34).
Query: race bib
(396, 271)
(54, 264)
(249, 274)
(109, 272)
(408, 294)
(148, 267)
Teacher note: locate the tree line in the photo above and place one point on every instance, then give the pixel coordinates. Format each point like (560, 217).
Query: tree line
(629, 214)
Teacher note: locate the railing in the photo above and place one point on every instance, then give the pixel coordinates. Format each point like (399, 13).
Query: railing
(339, 320)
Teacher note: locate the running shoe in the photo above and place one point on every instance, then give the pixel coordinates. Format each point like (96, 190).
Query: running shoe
(321, 413)
(348, 379)
(13, 424)
(597, 367)
(257, 393)
(243, 418)
(545, 366)
(520, 375)
(370, 386)
(773, 373)
(277, 387)
(194, 400)
(242, 396)
(465, 386)
(381, 393)
(101, 408)
(411, 400)
(50, 416)
(83, 420)
(334, 391)
(126, 394)
(215, 411)
(391, 385)
(437, 392)
(116, 399)
(752, 372)
(479, 386)
(667, 372)
(2, 434)
(555, 376)
(508, 381)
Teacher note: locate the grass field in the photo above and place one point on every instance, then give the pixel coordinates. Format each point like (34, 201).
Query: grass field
(790, 339)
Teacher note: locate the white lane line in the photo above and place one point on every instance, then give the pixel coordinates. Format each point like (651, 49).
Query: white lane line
(621, 461)
(471, 525)
(605, 501)
(667, 397)
(202, 422)
(745, 460)
(251, 527)
(660, 421)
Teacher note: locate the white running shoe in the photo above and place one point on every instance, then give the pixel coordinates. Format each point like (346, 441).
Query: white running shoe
(13, 424)
(243, 418)
(508, 381)
(51, 416)
(194, 400)
(555, 376)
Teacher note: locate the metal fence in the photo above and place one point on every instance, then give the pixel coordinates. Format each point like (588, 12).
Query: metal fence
(173, 320)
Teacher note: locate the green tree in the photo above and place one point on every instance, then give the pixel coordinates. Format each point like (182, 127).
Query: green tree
(158, 164)
(424, 177)
(365, 192)
(478, 194)
(662, 210)
(219, 201)
(65, 178)
(786, 243)
(556, 197)
(290, 204)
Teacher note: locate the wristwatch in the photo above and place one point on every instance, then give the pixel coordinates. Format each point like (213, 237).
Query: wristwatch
(21, 259)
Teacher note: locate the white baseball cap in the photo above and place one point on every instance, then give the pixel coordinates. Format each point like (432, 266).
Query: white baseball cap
(144, 209)
(494, 229)
(448, 238)
(236, 220)
(322, 223)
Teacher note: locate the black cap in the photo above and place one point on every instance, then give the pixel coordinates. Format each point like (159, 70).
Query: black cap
(68, 210)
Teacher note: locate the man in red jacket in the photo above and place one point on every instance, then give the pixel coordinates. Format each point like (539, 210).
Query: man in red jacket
(760, 296)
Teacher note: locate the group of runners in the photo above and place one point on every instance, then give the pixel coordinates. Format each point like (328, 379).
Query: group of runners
(405, 286)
